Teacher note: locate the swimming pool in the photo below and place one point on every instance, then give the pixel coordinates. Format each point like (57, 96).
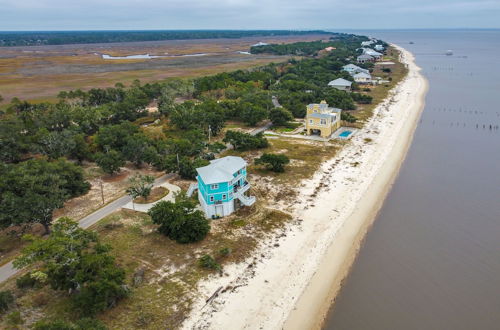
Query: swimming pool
(345, 134)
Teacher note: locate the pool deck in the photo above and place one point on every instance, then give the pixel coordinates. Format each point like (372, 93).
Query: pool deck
(335, 135)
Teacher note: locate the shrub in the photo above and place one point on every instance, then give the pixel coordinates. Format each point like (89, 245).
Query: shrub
(225, 251)
(6, 299)
(348, 117)
(26, 281)
(206, 261)
(273, 162)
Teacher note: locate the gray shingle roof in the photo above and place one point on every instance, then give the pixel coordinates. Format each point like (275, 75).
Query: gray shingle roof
(221, 170)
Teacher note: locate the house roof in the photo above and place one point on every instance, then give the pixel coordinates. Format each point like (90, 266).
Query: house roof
(362, 75)
(350, 66)
(340, 82)
(365, 56)
(321, 115)
(221, 170)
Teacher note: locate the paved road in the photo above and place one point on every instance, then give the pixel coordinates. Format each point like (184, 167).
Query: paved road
(8, 269)
(261, 129)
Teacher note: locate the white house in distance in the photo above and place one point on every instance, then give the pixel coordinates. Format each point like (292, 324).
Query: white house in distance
(341, 84)
(366, 43)
(376, 55)
(379, 48)
(365, 58)
(362, 78)
(352, 69)
(260, 43)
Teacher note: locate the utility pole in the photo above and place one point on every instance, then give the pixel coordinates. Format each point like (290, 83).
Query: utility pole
(209, 133)
(178, 163)
(102, 191)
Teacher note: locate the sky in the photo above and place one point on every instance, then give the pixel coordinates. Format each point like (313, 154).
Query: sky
(246, 14)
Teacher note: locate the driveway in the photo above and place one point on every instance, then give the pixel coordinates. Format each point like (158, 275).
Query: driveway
(8, 269)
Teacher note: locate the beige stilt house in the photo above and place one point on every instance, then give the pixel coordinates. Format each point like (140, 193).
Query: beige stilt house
(322, 120)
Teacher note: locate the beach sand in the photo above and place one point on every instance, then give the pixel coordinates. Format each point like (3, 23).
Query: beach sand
(294, 277)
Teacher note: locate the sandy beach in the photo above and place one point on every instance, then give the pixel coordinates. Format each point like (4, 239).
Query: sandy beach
(294, 277)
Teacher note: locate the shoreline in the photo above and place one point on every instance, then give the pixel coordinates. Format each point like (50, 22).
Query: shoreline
(293, 278)
(320, 293)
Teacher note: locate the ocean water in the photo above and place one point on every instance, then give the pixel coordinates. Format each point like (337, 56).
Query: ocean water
(432, 258)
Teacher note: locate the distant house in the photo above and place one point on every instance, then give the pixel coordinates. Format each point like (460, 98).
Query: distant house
(322, 120)
(379, 48)
(372, 53)
(329, 49)
(341, 84)
(222, 186)
(366, 43)
(352, 69)
(260, 43)
(362, 78)
(365, 58)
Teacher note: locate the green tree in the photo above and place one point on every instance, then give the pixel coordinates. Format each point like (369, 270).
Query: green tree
(110, 162)
(187, 167)
(180, 221)
(140, 186)
(252, 114)
(74, 260)
(280, 116)
(32, 190)
(273, 162)
(243, 141)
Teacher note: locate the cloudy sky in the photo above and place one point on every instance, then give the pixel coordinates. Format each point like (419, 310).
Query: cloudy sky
(247, 14)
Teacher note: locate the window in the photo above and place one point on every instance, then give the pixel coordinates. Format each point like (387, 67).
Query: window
(214, 186)
(310, 121)
(323, 121)
(230, 194)
(224, 197)
(211, 198)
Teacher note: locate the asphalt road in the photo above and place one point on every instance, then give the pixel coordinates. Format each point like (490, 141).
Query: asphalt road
(8, 269)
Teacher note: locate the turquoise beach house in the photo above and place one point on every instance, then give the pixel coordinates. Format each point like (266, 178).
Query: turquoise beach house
(222, 186)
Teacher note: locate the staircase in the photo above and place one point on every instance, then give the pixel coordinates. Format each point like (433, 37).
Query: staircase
(192, 188)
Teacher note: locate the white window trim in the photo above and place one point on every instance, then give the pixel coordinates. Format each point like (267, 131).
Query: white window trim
(214, 186)
(224, 197)
(212, 199)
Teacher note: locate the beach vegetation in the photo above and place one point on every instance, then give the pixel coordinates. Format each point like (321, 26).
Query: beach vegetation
(208, 262)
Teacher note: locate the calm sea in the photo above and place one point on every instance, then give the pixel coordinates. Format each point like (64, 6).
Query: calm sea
(432, 258)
